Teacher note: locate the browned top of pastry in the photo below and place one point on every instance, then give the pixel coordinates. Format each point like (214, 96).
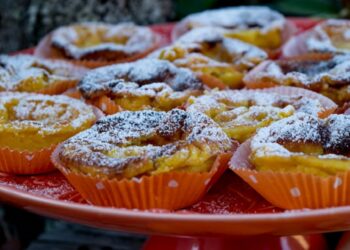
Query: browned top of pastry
(332, 134)
(105, 80)
(144, 139)
(103, 41)
(32, 74)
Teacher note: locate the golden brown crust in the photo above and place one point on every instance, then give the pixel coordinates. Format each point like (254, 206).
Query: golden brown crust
(129, 144)
(330, 77)
(98, 44)
(27, 73)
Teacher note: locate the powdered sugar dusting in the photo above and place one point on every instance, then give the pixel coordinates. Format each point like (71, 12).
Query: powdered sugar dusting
(333, 134)
(243, 17)
(240, 53)
(80, 40)
(327, 36)
(24, 72)
(219, 101)
(138, 137)
(42, 113)
(141, 72)
(334, 72)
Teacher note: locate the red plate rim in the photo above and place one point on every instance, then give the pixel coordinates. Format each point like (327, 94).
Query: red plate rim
(25, 197)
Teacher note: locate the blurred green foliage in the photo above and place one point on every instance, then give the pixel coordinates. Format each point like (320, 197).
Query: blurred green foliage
(320, 8)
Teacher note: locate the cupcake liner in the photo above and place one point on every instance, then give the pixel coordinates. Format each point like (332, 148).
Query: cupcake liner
(107, 105)
(211, 81)
(45, 50)
(328, 105)
(292, 190)
(171, 190)
(103, 103)
(58, 87)
(73, 93)
(25, 162)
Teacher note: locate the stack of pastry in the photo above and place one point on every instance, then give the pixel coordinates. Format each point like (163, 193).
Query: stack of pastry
(175, 114)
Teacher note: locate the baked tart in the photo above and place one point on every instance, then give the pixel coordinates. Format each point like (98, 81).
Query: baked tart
(144, 84)
(97, 44)
(329, 77)
(240, 113)
(144, 159)
(25, 73)
(32, 124)
(304, 157)
(256, 25)
(219, 61)
(329, 37)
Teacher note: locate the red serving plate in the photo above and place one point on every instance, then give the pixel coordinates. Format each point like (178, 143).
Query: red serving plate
(231, 208)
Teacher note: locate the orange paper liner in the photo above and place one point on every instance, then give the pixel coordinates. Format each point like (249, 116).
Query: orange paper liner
(328, 105)
(104, 103)
(58, 87)
(25, 162)
(292, 190)
(170, 191)
(45, 50)
(73, 93)
(20, 162)
(107, 105)
(211, 81)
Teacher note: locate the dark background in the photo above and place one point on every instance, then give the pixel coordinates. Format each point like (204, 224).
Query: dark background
(24, 22)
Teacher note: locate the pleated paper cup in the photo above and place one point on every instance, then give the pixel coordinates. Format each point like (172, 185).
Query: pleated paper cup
(58, 87)
(170, 191)
(73, 93)
(292, 190)
(328, 105)
(211, 81)
(25, 162)
(107, 105)
(45, 50)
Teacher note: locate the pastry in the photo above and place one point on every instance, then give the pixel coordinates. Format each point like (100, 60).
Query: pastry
(96, 44)
(219, 61)
(303, 143)
(241, 113)
(329, 37)
(145, 84)
(32, 124)
(257, 25)
(25, 73)
(300, 162)
(165, 150)
(330, 77)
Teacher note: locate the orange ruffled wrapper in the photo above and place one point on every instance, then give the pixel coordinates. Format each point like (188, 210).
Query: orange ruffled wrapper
(292, 190)
(45, 50)
(328, 105)
(169, 191)
(24, 162)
